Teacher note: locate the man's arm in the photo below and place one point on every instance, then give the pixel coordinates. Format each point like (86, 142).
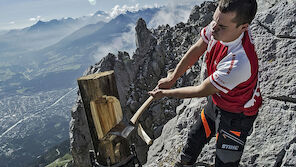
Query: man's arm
(206, 88)
(191, 56)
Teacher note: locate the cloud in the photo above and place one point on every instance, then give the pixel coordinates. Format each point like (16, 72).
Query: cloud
(172, 14)
(155, 5)
(35, 18)
(92, 2)
(125, 42)
(117, 10)
(175, 12)
(12, 22)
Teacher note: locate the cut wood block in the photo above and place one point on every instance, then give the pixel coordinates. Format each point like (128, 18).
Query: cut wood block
(103, 111)
(108, 154)
(106, 113)
(92, 88)
(113, 150)
(95, 86)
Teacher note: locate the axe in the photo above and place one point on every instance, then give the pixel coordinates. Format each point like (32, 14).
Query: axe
(124, 129)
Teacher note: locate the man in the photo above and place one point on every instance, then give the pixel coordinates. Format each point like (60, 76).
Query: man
(232, 84)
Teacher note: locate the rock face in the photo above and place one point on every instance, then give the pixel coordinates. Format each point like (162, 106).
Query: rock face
(80, 139)
(273, 141)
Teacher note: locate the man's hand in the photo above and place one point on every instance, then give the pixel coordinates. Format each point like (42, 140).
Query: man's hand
(165, 83)
(157, 93)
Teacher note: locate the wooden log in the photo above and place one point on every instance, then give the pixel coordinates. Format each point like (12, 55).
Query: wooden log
(92, 89)
(113, 150)
(106, 113)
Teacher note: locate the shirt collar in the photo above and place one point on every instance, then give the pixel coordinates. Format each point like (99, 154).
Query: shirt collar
(235, 42)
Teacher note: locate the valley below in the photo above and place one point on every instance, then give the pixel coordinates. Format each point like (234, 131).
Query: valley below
(31, 124)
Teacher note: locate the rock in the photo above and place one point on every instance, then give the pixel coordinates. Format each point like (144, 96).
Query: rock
(202, 15)
(124, 74)
(289, 157)
(157, 131)
(194, 15)
(79, 135)
(157, 113)
(275, 42)
(143, 37)
(266, 4)
(134, 105)
(106, 63)
(273, 134)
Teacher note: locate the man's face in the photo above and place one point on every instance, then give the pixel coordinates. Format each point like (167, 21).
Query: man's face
(224, 29)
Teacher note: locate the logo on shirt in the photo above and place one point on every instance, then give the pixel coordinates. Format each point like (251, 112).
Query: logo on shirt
(231, 64)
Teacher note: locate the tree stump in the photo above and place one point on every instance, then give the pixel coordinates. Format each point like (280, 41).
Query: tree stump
(103, 111)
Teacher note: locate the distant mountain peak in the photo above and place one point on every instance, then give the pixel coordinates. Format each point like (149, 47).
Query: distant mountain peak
(40, 22)
(101, 13)
(50, 23)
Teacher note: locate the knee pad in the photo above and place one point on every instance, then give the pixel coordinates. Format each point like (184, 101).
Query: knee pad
(226, 156)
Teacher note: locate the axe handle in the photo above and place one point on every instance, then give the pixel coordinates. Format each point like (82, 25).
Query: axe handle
(136, 116)
(144, 135)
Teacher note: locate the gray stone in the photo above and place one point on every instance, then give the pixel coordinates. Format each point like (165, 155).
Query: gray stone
(143, 37)
(79, 135)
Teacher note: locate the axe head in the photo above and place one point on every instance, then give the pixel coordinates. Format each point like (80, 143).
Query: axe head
(122, 129)
(127, 131)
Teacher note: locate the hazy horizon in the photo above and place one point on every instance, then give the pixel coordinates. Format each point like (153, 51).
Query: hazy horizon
(23, 13)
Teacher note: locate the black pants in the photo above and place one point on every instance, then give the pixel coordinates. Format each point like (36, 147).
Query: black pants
(231, 131)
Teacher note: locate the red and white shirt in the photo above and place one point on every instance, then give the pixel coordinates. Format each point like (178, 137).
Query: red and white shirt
(233, 69)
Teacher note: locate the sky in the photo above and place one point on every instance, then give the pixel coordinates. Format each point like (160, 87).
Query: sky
(15, 14)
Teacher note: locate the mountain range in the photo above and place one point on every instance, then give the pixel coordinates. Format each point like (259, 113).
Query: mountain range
(47, 52)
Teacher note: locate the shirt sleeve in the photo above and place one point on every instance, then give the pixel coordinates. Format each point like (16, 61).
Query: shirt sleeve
(206, 33)
(231, 71)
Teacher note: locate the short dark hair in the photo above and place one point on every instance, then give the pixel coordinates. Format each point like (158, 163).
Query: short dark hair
(245, 10)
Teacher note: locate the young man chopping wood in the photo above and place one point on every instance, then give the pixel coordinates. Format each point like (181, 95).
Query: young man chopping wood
(232, 84)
